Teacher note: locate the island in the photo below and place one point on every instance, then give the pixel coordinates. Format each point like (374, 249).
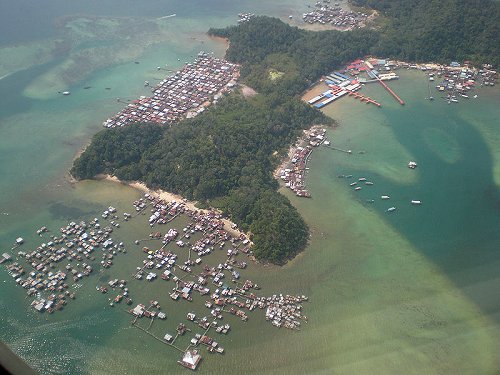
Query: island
(225, 157)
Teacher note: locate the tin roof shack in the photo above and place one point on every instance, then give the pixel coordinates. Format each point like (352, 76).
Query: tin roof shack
(5, 257)
(190, 360)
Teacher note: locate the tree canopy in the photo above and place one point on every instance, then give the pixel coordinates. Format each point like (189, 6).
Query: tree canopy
(439, 30)
(225, 156)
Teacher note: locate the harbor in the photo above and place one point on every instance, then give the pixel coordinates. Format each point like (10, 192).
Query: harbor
(334, 15)
(293, 169)
(456, 81)
(186, 93)
(349, 81)
(53, 272)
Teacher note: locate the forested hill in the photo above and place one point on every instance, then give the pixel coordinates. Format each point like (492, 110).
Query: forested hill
(439, 30)
(224, 158)
(266, 43)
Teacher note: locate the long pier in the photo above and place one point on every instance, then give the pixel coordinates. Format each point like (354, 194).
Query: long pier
(156, 337)
(338, 149)
(363, 98)
(390, 91)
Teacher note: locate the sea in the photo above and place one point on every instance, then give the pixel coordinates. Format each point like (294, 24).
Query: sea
(412, 291)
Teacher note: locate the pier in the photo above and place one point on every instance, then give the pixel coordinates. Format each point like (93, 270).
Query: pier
(400, 101)
(134, 324)
(339, 149)
(362, 98)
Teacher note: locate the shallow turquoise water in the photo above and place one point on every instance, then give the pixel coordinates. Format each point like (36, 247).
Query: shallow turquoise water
(411, 292)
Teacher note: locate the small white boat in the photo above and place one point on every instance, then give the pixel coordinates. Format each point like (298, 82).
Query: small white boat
(391, 209)
(416, 202)
(368, 183)
(362, 179)
(66, 93)
(353, 183)
(385, 197)
(357, 188)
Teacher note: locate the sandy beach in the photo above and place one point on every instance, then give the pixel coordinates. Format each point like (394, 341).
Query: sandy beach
(229, 226)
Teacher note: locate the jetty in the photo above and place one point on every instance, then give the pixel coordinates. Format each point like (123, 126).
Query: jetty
(203, 232)
(398, 99)
(340, 84)
(374, 74)
(296, 163)
(362, 98)
(338, 149)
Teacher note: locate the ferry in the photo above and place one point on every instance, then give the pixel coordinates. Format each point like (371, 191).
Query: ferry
(385, 197)
(416, 202)
(391, 209)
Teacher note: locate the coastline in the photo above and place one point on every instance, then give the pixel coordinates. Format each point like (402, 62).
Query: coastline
(168, 196)
(12, 363)
(285, 162)
(220, 39)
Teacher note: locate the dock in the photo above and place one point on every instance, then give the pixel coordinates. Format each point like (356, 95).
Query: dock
(339, 149)
(362, 98)
(374, 74)
(158, 338)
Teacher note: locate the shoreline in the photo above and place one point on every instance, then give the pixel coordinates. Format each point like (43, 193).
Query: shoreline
(293, 168)
(220, 39)
(13, 363)
(169, 196)
(301, 141)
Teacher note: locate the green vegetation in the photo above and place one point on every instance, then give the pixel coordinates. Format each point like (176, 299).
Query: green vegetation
(274, 74)
(439, 30)
(225, 156)
(266, 44)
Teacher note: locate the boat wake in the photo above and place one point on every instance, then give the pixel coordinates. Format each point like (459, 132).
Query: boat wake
(5, 76)
(165, 17)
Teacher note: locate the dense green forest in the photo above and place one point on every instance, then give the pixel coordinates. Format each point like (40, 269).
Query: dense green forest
(439, 30)
(265, 43)
(223, 158)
